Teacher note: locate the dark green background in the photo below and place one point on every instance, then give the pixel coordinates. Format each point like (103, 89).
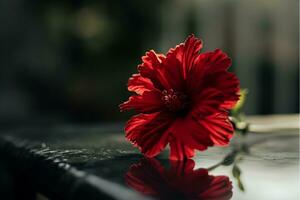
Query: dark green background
(69, 61)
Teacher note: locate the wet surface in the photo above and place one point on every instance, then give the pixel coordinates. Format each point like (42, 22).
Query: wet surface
(258, 166)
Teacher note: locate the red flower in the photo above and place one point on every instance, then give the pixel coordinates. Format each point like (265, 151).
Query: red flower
(179, 182)
(183, 99)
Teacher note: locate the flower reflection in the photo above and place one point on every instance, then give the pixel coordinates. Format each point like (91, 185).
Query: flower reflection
(180, 181)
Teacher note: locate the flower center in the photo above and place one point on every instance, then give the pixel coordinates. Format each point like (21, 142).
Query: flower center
(174, 101)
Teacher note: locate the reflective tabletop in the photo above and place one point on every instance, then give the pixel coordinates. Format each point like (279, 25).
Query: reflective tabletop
(256, 166)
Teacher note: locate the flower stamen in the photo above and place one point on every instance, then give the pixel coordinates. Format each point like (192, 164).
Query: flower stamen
(173, 100)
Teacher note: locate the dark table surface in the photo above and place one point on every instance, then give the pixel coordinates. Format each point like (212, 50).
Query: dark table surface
(96, 162)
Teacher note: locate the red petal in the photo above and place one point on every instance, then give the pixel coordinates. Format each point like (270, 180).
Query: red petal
(205, 64)
(149, 102)
(151, 68)
(187, 52)
(219, 128)
(139, 84)
(198, 131)
(228, 84)
(207, 102)
(149, 132)
(180, 168)
(169, 72)
(173, 72)
(179, 151)
(187, 131)
(225, 82)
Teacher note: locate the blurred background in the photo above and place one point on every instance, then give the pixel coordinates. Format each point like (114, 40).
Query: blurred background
(69, 61)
